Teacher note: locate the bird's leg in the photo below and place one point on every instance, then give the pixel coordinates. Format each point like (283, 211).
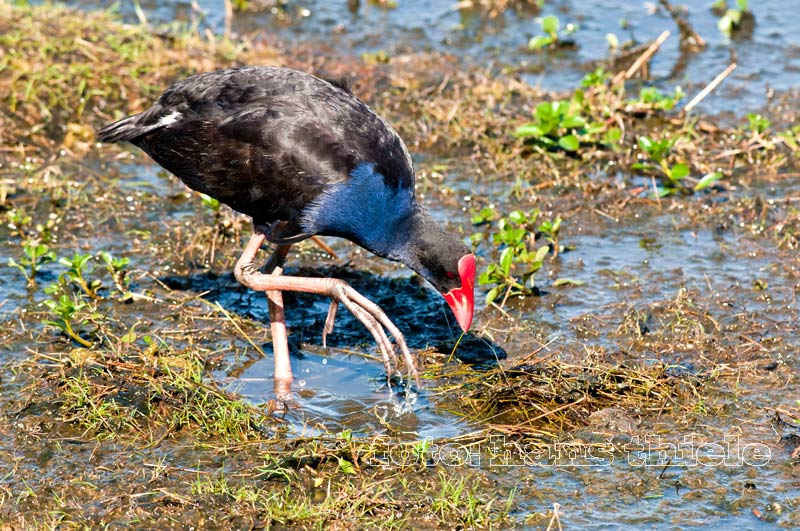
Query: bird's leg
(366, 311)
(277, 323)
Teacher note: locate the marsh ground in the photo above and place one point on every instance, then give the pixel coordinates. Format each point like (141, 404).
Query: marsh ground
(649, 380)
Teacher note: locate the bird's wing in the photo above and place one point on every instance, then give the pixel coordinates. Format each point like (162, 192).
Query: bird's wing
(266, 141)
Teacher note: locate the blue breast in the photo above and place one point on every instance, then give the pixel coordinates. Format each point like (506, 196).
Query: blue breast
(361, 208)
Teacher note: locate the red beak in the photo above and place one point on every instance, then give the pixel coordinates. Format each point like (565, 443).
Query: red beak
(462, 300)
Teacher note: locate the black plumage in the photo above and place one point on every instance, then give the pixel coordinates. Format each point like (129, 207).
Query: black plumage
(265, 141)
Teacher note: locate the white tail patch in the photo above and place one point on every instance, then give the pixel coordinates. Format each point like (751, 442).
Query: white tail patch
(169, 119)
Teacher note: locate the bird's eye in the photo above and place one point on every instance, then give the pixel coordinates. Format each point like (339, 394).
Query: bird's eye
(450, 275)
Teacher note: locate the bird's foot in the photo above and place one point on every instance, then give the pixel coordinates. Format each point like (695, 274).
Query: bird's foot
(374, 319)
(340, 292)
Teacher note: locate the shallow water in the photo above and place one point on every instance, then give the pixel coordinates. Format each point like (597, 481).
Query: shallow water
(768, 58)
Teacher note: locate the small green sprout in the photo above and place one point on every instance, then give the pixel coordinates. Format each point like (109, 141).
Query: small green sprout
(346, 467)
(421, 448)
(513, 273)
(18, 221)
(707, 180)
(555, 123)
(79, 272)
(549, 231)
(650, 98)
(733, 18)
(596, 78)
(36, 254)
(562, 124)
(211, 203)
(116, 268)
(757, 124)
(65, 309)
(658, 151)
(553, 36)
(485, 215)
(791, 138)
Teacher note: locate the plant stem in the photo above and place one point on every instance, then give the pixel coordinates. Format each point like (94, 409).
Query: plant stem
(71, 333)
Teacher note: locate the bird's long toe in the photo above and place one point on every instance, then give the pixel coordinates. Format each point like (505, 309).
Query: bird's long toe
(375, 320)
(330, 319)
(354, 301)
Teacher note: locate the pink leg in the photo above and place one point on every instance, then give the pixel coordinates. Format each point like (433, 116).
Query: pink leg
(277, 323)
(366, 311)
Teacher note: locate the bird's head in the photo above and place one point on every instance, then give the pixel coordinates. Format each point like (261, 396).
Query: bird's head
(443, 260)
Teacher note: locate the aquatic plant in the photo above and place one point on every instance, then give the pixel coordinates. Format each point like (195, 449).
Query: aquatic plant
(18, 221)
(79, 271)
(733, 18)
(36, 254)
(653, 99)
(556, 124)
(553, 36)
(67, 311)
(513, 273)
(672, 173)
(757, 124)
(791, 137)
(116, 268)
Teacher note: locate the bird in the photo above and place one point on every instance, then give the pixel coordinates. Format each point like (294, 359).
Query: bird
(303, 157)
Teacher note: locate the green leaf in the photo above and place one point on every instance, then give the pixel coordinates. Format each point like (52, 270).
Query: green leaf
(640, 166)
(528, 130)
(517, 216)
(707, 180)
(485, 215)
(541, 253)
(568, 282)
(13, 263)
(645, 143)
(346, 466)
(664, 191)
(551, 25)
(506, 259)
(569, 143)
(725, 24)
(679, 171)
(210, 202)
(540, 41)
(492, 295)
(485, 277)
(742, 4)
(573, 122)
(547, 114)
(613, 135)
